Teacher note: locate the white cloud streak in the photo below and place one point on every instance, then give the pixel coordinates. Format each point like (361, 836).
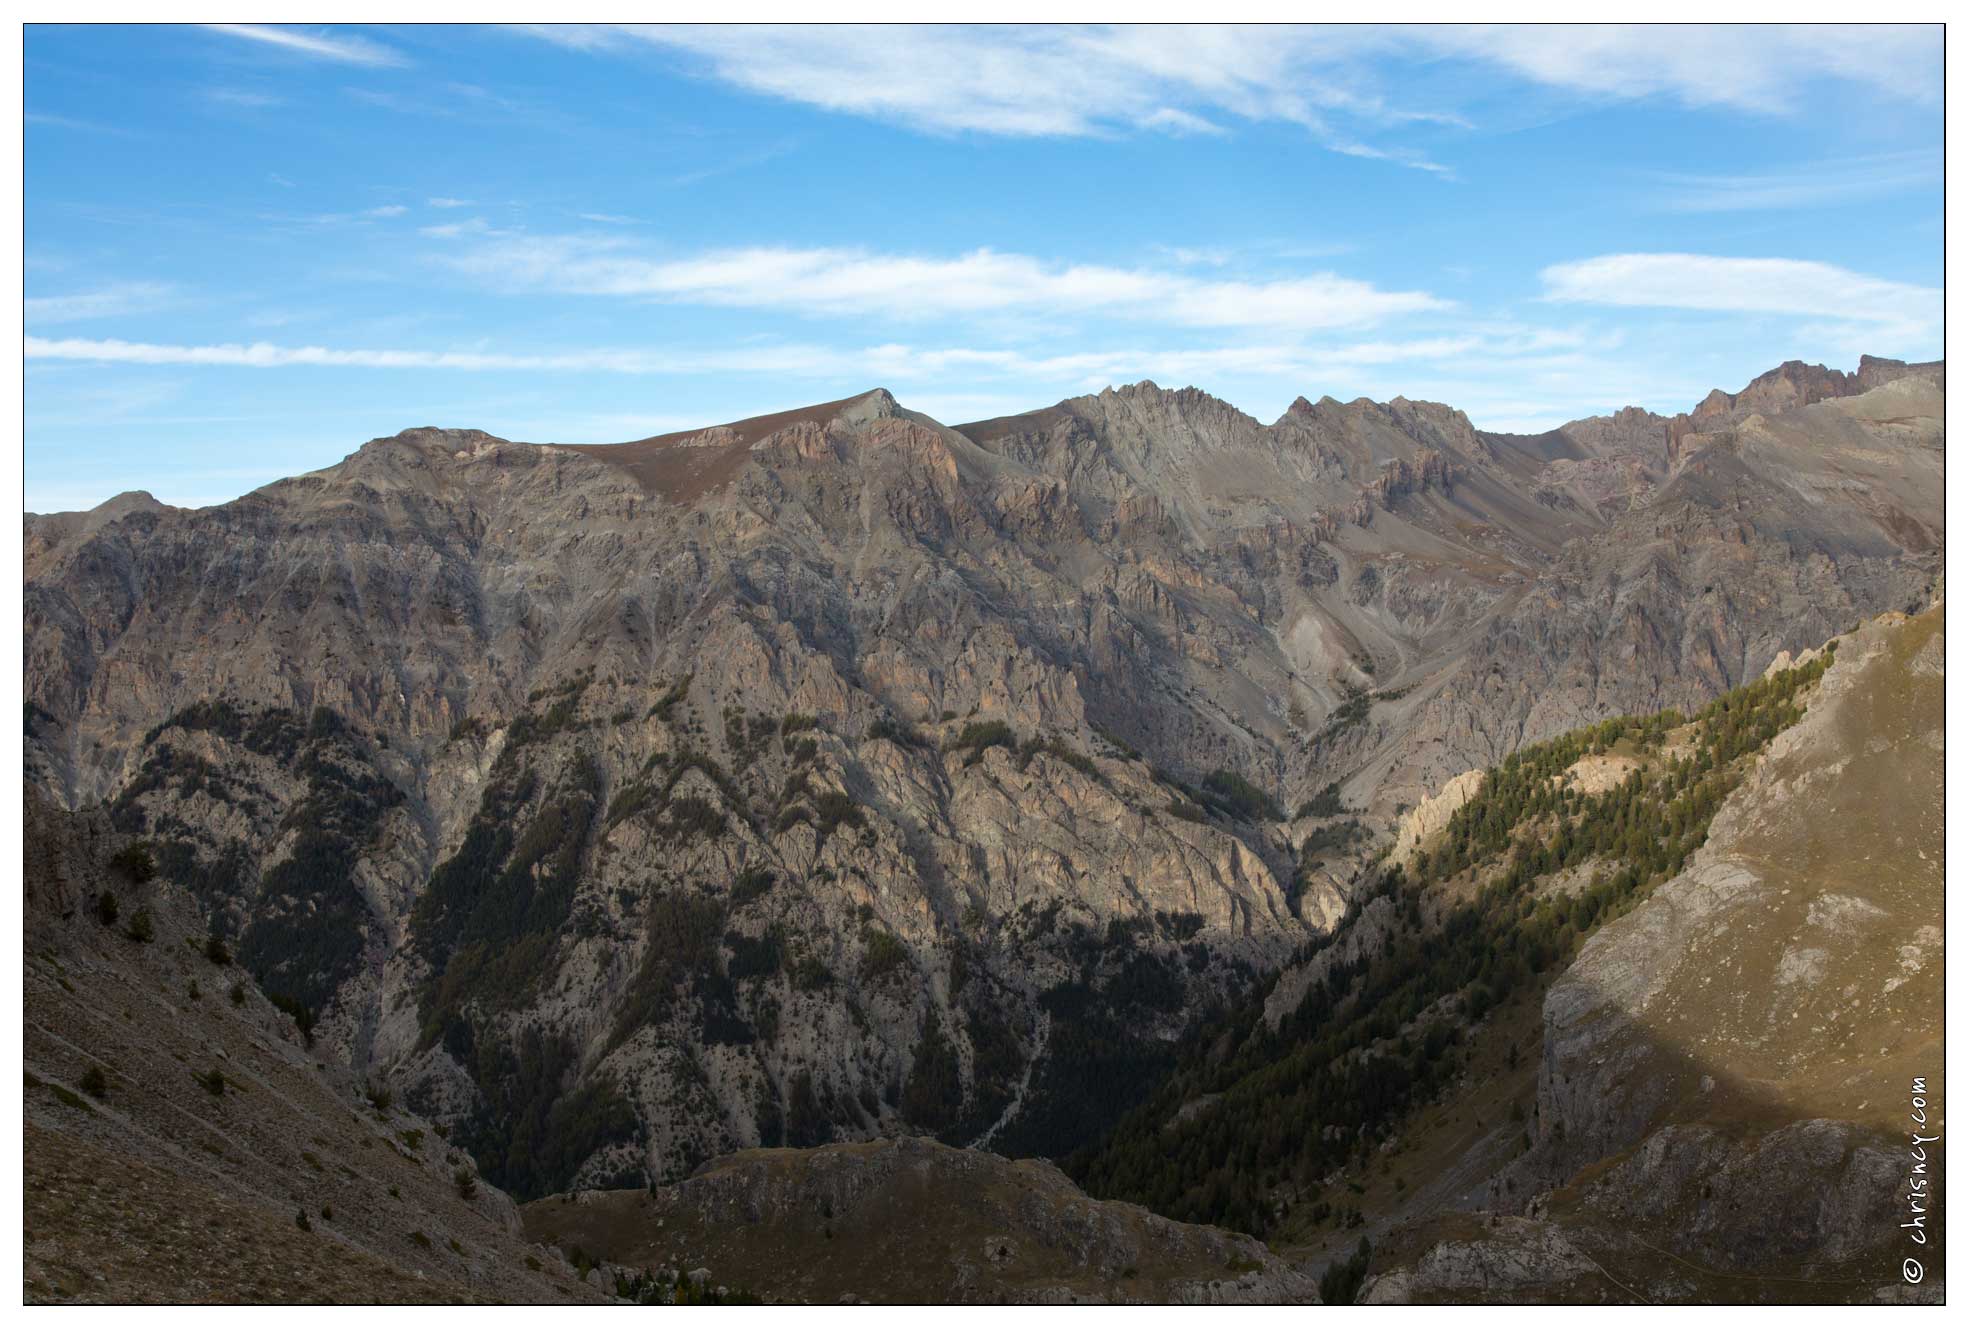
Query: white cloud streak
(48, 121)
(265, 355)
(1763, 68)
(341, 48)
(891, 361)
(1044, 81)
(1052, 81)
(1740, 286)
(1813, 185)
(246, 98)
(836, 282)
(452, 230)
(112, 301)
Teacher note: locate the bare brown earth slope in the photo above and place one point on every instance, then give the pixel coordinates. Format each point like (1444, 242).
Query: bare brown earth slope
(841, 775)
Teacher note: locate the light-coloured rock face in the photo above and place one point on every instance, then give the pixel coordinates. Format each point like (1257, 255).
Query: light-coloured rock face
(680, 726)
(1362, 937)
(1428, 818)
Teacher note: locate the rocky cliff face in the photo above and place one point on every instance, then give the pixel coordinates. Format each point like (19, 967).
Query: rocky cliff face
(838, 774)
(1728, 1072)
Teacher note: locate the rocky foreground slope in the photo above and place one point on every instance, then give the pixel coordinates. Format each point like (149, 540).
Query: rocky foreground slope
(183, 1142)
(838, 774)
(911, 1221)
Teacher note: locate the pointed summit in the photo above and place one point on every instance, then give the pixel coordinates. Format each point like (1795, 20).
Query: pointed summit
(875, 404)
(130, 500)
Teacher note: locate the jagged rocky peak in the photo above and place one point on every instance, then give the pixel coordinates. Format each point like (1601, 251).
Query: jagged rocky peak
(1795, 383)
(1634, 434)
(1875, 370)
(1366, 437)
(1432, 415)
(1148, 390)
(1190, 412)
(1143, 431)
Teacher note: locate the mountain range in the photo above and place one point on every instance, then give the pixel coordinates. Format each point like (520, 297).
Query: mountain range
(839, 775)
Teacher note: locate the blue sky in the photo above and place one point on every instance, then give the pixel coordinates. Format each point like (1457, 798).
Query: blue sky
(248, 249)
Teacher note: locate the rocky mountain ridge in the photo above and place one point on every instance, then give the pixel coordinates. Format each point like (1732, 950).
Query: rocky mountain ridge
(840, 774)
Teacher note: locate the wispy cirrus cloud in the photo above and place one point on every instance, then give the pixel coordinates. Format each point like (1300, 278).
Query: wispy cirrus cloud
(49, 120)
(890, 360)
(833, 282)
(112, 301)
(340, 47)
(1765, 68)
(362, 217)
(788, 359)
(249, 99)
(742, 161)
(1350, 87)
(1812, 185)
(452, 230)
(1045, 81)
